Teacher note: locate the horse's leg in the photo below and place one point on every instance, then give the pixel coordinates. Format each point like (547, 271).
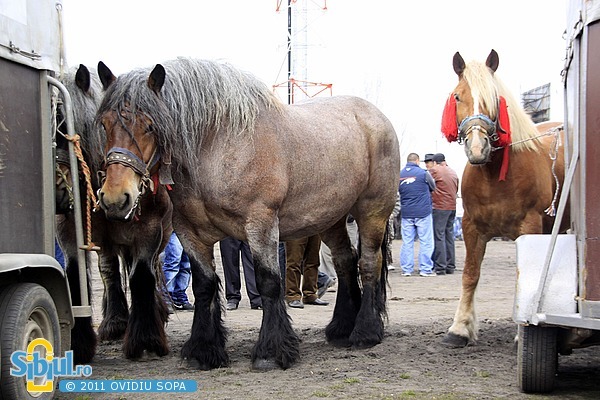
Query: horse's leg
(278, 343)
(205, 349)
(145, 330)
(369, 327)
(348, 301)
(464, 328)
(115, 313)
(83, 337)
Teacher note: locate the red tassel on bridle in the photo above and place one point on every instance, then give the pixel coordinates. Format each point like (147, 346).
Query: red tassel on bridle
(449, 122)
(504, 135)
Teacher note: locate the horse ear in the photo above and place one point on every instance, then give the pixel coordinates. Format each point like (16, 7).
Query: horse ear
(106, 76)
(156, 79)
(493, 60)
(458, 63)
(82, 78)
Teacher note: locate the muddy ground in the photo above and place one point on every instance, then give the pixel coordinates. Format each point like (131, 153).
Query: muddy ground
(409, 364)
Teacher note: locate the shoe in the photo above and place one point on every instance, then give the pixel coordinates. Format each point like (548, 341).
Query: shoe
(427, 274)
(256, 306)
(296, 304)
(317, 302)
(187, 306)
(440, 272)
(231, 305)
(170, 308)
(323, 289)
(449, 271)
(391, 267)
(406, 274)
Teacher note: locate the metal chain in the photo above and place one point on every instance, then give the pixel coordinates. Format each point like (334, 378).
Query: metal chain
(551, 210)
(551, 131)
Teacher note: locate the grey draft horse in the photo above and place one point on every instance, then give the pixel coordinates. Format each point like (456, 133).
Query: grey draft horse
(245, 165)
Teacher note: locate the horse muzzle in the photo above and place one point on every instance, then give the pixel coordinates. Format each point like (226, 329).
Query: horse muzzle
(63, 196)
(478, 133)
(120, 202)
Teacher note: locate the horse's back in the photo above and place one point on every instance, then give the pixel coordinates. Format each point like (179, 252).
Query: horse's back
(339, 149)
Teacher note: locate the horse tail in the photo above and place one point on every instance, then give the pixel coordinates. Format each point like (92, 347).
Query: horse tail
(383, 275)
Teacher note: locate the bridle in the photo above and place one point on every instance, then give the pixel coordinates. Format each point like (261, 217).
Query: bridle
(478, 123)
(120, 155)
(62, 161)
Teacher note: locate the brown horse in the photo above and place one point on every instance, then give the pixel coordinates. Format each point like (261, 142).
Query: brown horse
(245, 165)
(134, 245)
(513, 178)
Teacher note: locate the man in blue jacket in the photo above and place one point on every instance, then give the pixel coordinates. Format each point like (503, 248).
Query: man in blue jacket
(416, 185)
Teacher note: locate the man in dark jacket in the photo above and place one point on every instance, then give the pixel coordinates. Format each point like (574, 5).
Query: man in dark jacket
(416, 185)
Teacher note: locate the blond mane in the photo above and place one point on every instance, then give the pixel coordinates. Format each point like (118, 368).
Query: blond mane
(480, 78)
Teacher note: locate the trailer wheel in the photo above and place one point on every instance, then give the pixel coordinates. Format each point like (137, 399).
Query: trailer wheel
(27, 312)
(537, 358)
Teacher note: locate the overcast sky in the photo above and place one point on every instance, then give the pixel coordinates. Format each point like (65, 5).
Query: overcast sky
(397, 54)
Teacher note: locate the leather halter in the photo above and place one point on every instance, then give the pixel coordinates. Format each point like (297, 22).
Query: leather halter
(120, 155)
(483, 124)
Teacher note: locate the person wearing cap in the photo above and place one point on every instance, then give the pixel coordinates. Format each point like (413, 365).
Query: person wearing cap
(428, 160)
(416, 185)
(444, 213)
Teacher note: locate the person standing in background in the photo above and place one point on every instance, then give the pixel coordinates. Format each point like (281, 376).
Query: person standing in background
(416, 185)
(302, 266)
(444, 212)
(230, 257)
(178, 272)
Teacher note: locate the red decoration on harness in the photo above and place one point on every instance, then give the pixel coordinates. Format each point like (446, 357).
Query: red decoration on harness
(504, 135)
(449, 122)
(156, 183)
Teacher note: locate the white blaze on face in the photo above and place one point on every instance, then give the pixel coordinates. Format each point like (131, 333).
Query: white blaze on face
(475, 96)
(477, 142)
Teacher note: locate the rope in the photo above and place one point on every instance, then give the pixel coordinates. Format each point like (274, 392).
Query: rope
(91, 197)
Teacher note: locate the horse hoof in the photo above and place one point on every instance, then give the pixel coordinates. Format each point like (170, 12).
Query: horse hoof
(455, 341)
(264, 364)
(193, 363)
(111, 332)
(340, 342)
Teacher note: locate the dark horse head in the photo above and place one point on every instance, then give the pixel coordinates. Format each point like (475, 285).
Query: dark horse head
(130, 164)
(85, 92)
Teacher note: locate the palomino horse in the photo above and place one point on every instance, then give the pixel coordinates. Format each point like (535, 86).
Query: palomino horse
(512, 180)
(247, 166)
(137, 244)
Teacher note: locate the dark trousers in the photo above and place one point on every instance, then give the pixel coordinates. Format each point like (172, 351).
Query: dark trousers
(230, 257)
(443, 237)
(302, 265)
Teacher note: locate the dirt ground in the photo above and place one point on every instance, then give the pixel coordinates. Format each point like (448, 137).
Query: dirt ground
(409, 364)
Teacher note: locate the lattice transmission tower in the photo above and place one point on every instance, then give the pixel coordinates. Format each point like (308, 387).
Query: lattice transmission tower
(298, 85)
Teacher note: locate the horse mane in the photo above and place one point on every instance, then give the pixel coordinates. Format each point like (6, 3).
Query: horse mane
(85, 106)
(198, 97)
(481, 79)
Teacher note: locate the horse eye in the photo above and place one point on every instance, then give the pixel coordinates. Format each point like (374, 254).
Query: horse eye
(456, 97)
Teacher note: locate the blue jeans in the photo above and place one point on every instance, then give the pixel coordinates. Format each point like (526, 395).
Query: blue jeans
(177, 270)
(423, 227)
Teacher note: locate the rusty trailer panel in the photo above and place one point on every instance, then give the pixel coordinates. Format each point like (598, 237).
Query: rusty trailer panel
(592, 163)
